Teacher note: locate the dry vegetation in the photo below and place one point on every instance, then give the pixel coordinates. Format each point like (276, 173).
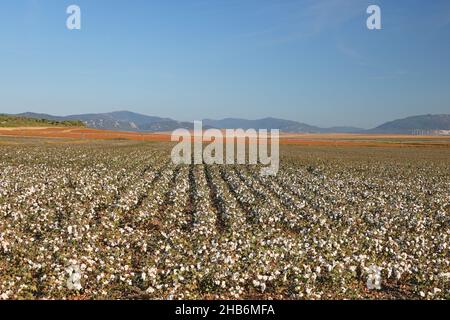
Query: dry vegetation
(117, 220)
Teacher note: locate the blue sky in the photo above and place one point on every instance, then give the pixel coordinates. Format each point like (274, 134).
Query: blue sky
(308, 60)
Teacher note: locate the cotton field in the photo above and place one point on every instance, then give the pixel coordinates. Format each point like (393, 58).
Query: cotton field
(117, 220)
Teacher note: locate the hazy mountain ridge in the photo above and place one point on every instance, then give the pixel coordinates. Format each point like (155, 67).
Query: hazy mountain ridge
(266, 123)
(410, 124)
(130, 121)
(119, 120)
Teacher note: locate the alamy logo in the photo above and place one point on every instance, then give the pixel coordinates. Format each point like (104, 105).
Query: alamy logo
(374, 20)
(228, 152)
(73, 22)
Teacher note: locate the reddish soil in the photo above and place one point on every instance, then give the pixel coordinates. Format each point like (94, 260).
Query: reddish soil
(356, 140)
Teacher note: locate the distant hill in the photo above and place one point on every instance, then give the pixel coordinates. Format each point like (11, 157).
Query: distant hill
(10, 121)
(342, 130)
(131, 121)
(409, 125)
(266, 123)
(119, 120)
(45, 116)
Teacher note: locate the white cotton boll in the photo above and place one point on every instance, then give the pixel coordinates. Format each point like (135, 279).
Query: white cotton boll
(445, 275)
(374, 278)
(76, 277)
(74, 280)
(263, 287)
(436, 290)
(77, 286)
(389, 272)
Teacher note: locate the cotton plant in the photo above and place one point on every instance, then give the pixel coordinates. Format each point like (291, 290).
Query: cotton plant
(373, 278)
(122, 222)
(74, 277)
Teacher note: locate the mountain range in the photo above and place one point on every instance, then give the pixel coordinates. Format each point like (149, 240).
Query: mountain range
(130, 121)
(118, 120)
(427, 122)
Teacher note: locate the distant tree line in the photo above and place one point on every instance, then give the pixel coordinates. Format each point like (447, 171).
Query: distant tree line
(16, 121)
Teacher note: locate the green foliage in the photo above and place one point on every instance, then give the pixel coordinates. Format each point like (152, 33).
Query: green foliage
(15, 121)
